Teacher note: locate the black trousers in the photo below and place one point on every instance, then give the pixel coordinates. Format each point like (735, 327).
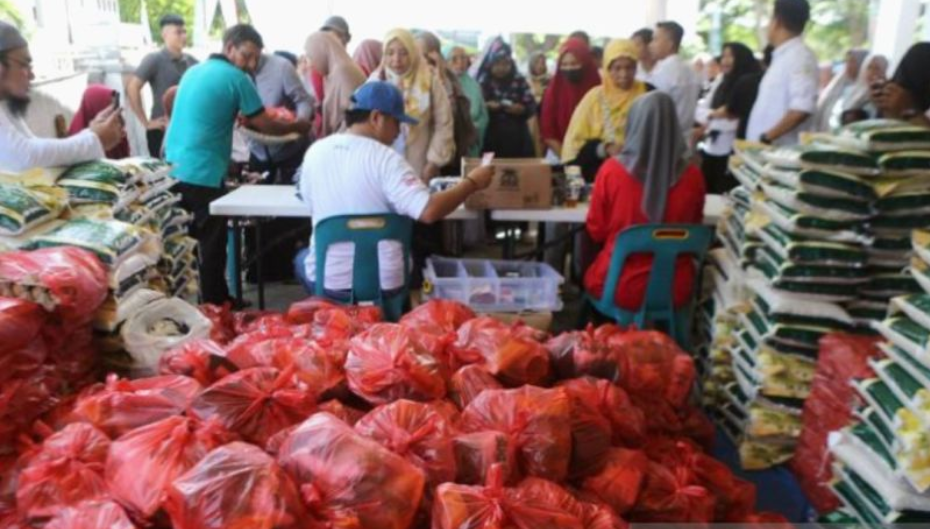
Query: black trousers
(717, 174)
(210, 233)
(155, 137)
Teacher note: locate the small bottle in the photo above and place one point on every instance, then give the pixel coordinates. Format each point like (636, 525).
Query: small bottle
(575, 184)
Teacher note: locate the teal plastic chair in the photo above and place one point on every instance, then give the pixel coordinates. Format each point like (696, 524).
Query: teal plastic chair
(365, 232)
(665, 242)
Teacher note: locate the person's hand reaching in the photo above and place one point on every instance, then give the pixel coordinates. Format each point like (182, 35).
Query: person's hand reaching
(482, 176)
(108, 126)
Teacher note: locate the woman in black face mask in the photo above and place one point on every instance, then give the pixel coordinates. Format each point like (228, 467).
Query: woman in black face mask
(577, 73)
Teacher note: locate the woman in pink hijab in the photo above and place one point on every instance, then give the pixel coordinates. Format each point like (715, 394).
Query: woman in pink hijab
(96, 99)
(368, 55)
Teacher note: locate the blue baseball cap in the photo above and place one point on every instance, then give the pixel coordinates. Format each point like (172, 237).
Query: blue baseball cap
(383, 97)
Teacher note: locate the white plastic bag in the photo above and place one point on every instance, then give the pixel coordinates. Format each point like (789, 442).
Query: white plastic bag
(145, 336)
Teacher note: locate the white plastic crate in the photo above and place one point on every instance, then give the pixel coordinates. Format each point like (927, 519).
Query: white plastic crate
(494, 286)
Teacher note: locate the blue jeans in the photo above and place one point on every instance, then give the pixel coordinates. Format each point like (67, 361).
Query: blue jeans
(339, 296)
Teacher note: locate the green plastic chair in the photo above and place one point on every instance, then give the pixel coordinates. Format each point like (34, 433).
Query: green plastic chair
(365, 232)
(665, 242)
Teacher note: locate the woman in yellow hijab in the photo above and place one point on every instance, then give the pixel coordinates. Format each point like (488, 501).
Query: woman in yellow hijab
(430, 144)
(597, 129)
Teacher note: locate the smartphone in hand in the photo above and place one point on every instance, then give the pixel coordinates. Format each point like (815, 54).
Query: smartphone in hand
(116, 99)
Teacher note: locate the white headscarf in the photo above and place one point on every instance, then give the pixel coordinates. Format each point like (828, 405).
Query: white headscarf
(858, 97)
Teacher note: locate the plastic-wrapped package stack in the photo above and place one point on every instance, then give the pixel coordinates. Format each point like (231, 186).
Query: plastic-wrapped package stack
(326, 417)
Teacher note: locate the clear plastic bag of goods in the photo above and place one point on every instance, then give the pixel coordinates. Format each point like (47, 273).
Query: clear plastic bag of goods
(468, 382)
(120, 406)
(111, 241)
(159, 327)
(417, 432)
(508, 353)
(69, 281)
(65, 471)
(235, 486)
(348, 480)
(320, 368)
(627, 422)
(386, 363)
(537, 421)
(22, 209)
(143, 463)
(492, 505)
(91, 515)
(619, 482)
(256, 403)
(203, 360)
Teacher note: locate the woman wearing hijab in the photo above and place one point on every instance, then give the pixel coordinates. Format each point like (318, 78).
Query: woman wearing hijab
(831, 100)
(341, 77)
(368, 55)
(510, 103)
(576, 74)
(650, 181)
(539, 78)
(907, 96)
(717, 128)
(465, 133)
(598, 126)
(96, 99)
(430, 144)
(458, 63)
(858, 106)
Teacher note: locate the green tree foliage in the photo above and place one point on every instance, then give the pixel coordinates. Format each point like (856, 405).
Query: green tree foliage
(130, 11)
(10, 13)
(836, 25)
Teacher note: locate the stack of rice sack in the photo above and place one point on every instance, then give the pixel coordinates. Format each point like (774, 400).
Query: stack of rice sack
(894, 159)
(326, 417)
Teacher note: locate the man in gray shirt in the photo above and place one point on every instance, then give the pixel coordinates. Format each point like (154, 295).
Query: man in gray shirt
(279, 86)
(162, 70)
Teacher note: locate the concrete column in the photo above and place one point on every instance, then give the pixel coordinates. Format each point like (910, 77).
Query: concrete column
(894, 30)
(656, 11)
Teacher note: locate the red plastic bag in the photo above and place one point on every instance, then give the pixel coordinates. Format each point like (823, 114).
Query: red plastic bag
(435, 324)
(331, 322)
(66, 471)
(672, 495)
(143, 463)
(476, 453)
(120, 405)
(256, 403)
(348, 480)
(76, 279)
(492, 506)
(386, 363)
(468, 382)
(535, 491)
(20, 323)
(537, 421)
(91, 515)
(72, 352)
(586, 352)
(23, 400)
(346, 414)
(236, 486)
(506, 352)
(203, 360)
(249, 321)
(221, 317)
(320, 368)
(653, 364)
(620, 481)
(418, 433)
(591, 437)
(627, 423)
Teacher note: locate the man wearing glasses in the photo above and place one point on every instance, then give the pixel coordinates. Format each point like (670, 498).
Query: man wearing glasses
(20, 150)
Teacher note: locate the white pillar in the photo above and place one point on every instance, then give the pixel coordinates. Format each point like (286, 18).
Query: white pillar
(656, 11)
(894, 31)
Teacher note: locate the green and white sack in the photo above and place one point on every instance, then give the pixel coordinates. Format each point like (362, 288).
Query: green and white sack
(829, 208)
(23, 209)
(883, 135)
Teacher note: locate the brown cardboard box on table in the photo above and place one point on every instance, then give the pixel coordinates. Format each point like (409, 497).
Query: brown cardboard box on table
(520, 183)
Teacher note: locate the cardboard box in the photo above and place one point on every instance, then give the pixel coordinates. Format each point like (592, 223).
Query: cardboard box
(520, 183)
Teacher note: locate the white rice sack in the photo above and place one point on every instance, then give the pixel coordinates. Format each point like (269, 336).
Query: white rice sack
(883, 135)
(829, 208)
(23, 209)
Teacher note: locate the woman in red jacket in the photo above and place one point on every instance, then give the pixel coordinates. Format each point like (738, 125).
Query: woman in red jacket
(651, 181)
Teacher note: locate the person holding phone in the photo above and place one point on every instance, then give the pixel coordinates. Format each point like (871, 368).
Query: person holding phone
(96, 100)
(20, 149)
(510, 103)
(907, 95)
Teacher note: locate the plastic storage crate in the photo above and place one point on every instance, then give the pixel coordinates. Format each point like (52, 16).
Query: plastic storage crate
(494, 286)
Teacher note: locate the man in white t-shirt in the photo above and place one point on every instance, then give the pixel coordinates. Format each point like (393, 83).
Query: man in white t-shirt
(788, 93)
(20, 150)
(358, 173)
(674, 75)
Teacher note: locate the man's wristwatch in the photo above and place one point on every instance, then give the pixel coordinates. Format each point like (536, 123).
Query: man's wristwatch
(765, 139)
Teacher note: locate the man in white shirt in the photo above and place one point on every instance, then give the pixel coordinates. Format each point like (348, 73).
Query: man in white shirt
(642, 39)
(358, 173)
(20, 150)
(788, 93)
(674, 75)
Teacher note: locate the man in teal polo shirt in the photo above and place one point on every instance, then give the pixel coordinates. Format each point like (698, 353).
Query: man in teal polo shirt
(210, 98)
